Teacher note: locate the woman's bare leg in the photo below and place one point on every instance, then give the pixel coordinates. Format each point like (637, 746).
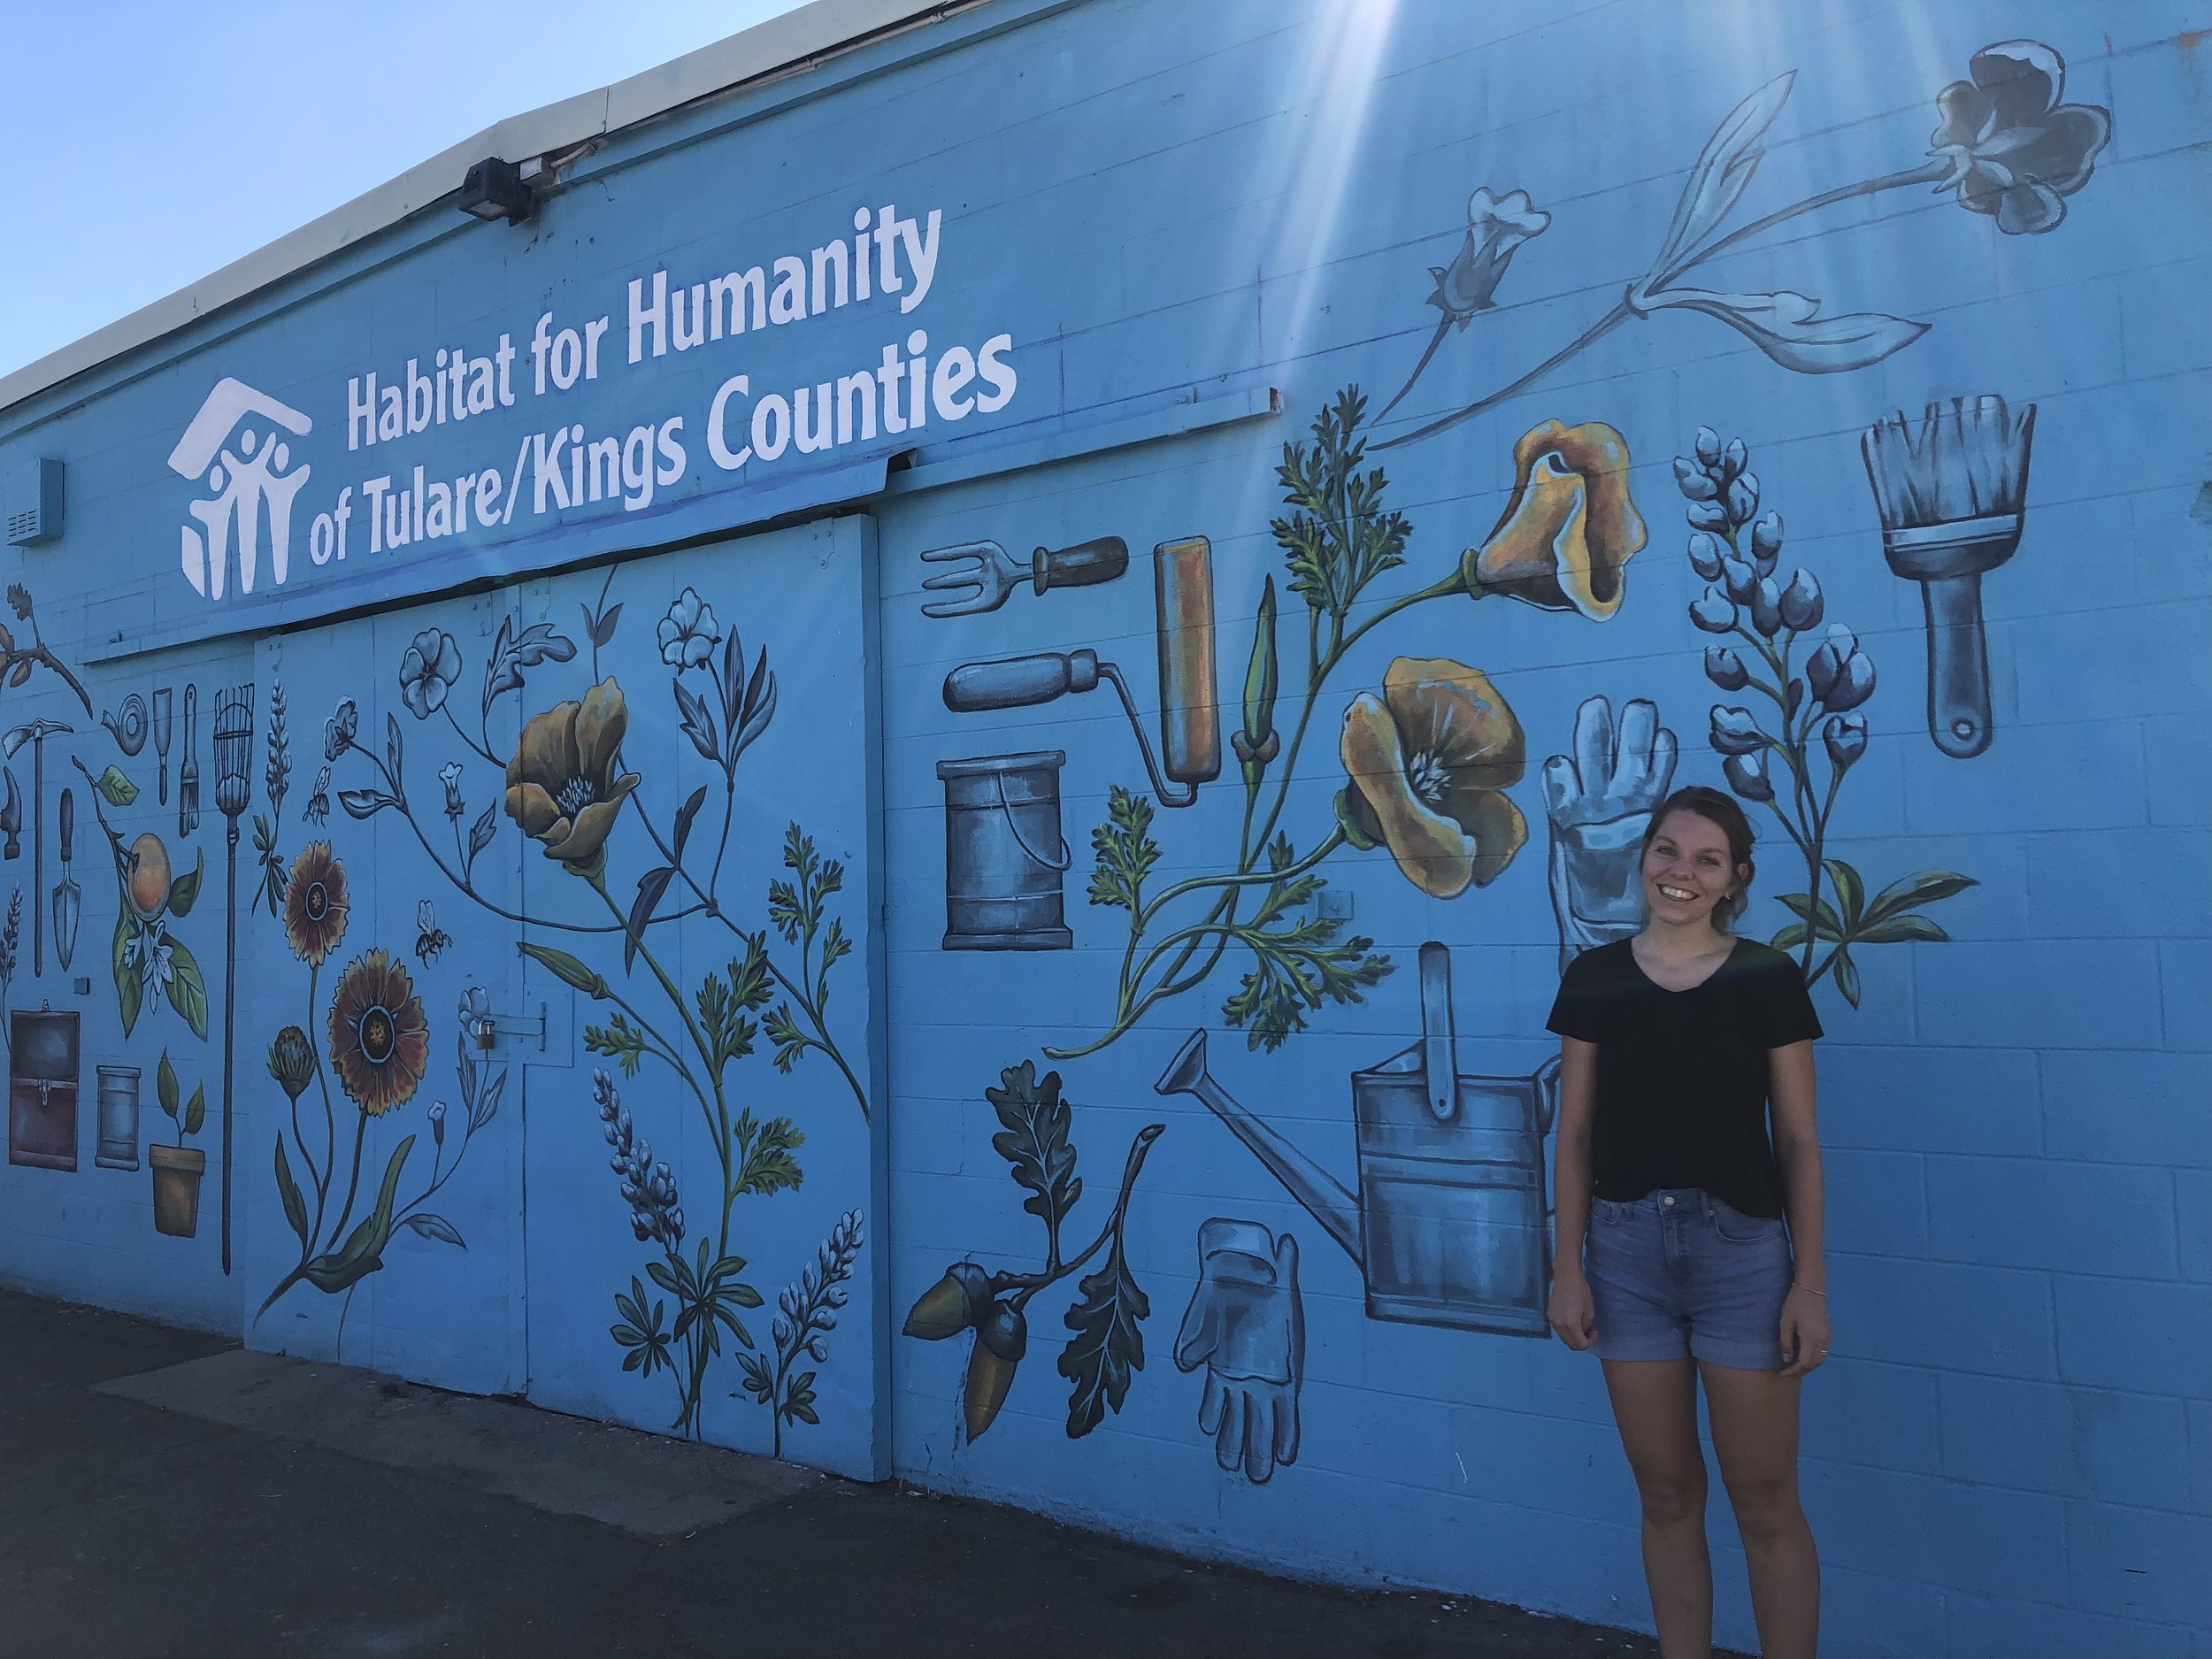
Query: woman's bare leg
(1753, 1416)
(1654, 1403)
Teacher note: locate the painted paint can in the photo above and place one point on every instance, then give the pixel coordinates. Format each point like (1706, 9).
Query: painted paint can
(1004, 854)
(117, 1146)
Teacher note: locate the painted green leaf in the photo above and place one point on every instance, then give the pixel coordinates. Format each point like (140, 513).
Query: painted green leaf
(1897, 930)
(1789, 937)
(1035, 1140)
(115, 788)
(1923, 887)
(1850, 890)
(1848, 977)
(1107, 1346)
(187, 991)
(363, 1252)
(165, 1088)
(1822, 915)
(196, 1111)
(435, 1227)
(288, 1190)
(566, 969)
(184, 892)
(130, 981)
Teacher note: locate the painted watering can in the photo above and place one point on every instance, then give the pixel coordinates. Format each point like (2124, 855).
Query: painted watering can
(1451, 1225)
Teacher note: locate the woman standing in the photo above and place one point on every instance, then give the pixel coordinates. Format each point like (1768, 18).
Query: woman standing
(1689, 1242)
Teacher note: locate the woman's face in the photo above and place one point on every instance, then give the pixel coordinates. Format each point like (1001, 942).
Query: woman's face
(1686, 869)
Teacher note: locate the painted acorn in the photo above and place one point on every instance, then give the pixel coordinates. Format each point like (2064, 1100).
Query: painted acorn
(962, 1298)
(1000, 1339)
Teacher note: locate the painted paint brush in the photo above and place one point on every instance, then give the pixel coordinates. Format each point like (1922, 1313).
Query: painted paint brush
(1952, 491)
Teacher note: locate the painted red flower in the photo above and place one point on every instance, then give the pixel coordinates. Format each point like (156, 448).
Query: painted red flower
(380, 1038)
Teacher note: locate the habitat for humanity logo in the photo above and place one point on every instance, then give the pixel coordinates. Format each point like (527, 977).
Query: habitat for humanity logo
(234, 447)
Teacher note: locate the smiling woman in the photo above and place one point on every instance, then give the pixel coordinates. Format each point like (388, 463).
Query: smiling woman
(1689, 1243)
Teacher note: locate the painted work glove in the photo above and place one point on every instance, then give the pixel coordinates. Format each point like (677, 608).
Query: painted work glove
(1599, 800)
(1248, 1327)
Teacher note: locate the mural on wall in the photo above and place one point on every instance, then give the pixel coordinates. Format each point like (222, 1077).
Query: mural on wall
(1190, 726)
(1449, 1225)
(128, 729)
(1951, 492)
(982, 577)
(68, 897)
(34, 733)
(11, 816)
(43, 1085)
(2007, 146)
(17, 661)
(1597, 801)
(1427, 759)
(1247, 1325)
(378, 1040)
(176, 1170)
(116, 1096)
(565, 786)
(164, 730)
(1107, 1347)
(430, 940)
(147, 959)
(1736, 551)
(1004, 854)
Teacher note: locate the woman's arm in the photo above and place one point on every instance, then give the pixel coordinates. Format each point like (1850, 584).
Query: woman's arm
(1790, 1092)
(1571, 1313)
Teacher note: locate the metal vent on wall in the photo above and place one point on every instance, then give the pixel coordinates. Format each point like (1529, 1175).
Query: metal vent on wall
(34, 503)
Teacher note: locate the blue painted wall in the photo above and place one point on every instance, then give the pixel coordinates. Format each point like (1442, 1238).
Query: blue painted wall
(1447, 645)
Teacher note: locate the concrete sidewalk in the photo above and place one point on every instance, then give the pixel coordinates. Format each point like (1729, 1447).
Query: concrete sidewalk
(163, 1492)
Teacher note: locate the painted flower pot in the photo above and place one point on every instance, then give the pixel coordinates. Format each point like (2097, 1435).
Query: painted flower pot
(177, 1171)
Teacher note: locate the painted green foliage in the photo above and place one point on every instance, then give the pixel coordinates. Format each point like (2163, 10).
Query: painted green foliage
(567, 789)
(1107, 1347)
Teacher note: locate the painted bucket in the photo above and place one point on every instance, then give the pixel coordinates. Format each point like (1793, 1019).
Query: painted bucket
(1004, 854)
(118, 1145)
(1455, 1226)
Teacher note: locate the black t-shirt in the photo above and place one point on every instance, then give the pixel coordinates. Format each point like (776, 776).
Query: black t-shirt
(1682, 1075)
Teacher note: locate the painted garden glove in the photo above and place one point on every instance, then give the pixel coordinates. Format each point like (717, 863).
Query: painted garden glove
(1248, 1327)
(1599, 800)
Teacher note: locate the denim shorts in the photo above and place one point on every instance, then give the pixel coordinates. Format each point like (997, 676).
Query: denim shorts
(1677, 1273)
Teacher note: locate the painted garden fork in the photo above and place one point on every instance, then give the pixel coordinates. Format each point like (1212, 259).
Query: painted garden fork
(983, 576)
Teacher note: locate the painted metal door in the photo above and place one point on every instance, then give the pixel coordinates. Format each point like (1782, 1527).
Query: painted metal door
(384, 1153)
(696, 793)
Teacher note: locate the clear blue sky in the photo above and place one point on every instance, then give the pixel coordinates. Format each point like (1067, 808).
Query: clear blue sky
(148, 142)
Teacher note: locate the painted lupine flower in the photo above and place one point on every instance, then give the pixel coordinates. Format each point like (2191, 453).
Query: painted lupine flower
(315, 904)
(1839, 674)
(1726, 669)
(1569, 526)
(1766, 608)
(380, 1039)
(427, 670)
(1735, 731)
(688, 634)
(647, 1186)
(1430, 760)
(1496, 227)
(562, 786)
(292, 1062)
(1802, 603)
(2013, 150)
(1713, 611)
(1746, 775)
(1845, 734)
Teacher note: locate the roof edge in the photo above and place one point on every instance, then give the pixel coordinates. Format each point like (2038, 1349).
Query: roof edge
(793, 40)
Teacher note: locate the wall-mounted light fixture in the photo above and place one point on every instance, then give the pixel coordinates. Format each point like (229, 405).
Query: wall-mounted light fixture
(496, 190)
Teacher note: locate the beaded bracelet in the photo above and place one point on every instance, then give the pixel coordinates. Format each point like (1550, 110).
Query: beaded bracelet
(1809, 1290)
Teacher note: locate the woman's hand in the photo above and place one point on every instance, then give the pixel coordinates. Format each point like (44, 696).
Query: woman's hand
(1573, 1317)
(1804, 1330)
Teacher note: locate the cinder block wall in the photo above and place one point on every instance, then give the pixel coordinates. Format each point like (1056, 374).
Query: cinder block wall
(2008, 1453)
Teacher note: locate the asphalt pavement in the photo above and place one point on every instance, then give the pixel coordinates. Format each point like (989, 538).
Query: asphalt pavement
(164, 1493)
